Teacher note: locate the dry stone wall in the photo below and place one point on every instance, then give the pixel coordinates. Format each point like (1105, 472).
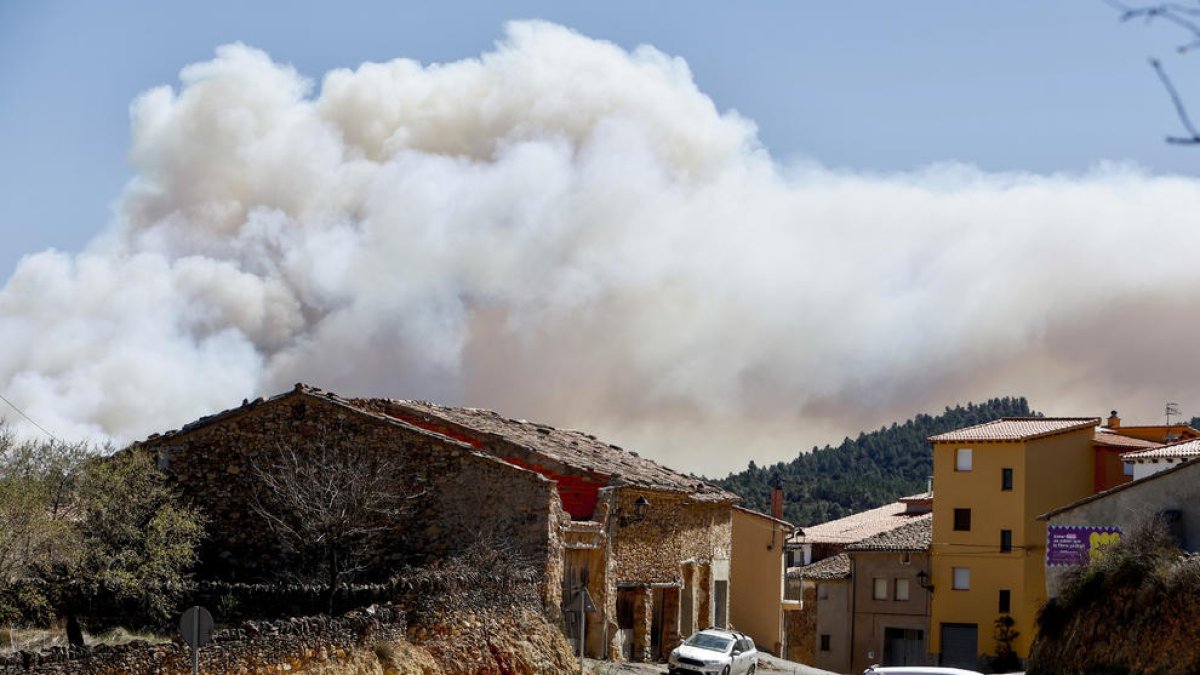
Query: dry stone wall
(502, 641)
(254, 647)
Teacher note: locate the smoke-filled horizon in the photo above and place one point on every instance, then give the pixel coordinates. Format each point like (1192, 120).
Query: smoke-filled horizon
(565, 231)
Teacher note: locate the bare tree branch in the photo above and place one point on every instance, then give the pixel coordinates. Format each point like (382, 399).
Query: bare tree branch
(1179, 108)
(331, 500)
(1178, 14)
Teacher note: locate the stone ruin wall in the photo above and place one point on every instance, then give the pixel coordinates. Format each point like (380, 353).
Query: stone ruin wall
(677, 542)
(470, 497)
(499, 641)
(255, 647)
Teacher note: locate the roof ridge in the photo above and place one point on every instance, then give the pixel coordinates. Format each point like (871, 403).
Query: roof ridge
(1041, 418)
(577, 449)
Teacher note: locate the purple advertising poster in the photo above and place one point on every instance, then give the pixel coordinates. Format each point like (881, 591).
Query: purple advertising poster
(1068, 545)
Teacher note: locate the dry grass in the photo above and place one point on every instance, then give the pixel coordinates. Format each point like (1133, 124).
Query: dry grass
(14, 639)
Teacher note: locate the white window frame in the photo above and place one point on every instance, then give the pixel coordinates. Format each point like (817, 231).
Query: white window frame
(964, 459)
(901, 590)
(962, 578)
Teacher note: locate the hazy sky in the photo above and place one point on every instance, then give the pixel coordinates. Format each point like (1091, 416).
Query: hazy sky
(1018, 85)
(762, 230)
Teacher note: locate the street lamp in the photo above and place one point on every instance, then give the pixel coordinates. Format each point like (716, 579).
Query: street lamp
(639, 512)
(923, 581)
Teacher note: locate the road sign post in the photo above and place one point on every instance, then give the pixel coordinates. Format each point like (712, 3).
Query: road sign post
(196, 627)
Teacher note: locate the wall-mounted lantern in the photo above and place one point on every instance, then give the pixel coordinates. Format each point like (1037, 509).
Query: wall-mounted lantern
(923, 581)
(639, 512)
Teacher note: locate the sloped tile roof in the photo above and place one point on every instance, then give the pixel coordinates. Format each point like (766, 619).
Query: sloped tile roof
(1181, 450)
(575, 449)
(912, 536)
(1115, 440)
(572, 448)
(859, 526)
(1017, 429)
(833, 567)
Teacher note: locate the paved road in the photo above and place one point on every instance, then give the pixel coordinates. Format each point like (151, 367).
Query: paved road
(767, 664)
(770, 664)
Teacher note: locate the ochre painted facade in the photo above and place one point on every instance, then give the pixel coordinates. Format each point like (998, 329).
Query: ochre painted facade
(1047, 472)
(757, 576)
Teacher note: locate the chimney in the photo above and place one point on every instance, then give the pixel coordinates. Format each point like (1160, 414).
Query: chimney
(1114, 422)
(777, 498)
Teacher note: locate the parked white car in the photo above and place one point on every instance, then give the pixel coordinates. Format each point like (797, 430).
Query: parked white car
(714, 651)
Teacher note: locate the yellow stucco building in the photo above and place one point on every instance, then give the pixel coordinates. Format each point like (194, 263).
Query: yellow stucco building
(992, 481)
(757, 575)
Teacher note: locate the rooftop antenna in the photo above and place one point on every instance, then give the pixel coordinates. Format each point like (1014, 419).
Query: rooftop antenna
(1171, 408)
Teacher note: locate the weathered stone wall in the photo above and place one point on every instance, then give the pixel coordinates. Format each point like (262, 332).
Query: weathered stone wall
(801, 628)
(677, 535)
(506, 641)
(255, 647)
(465, 496)
(675, 529)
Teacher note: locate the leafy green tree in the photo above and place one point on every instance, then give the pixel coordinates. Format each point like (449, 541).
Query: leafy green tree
(138, 542)
(38, 509)
(80, 526)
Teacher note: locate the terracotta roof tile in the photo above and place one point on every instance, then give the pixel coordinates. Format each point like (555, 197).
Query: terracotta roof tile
(1116, 440)
(833, 567)
(859, 526)
(913, 536)
(1017, 429)
(1182, 450)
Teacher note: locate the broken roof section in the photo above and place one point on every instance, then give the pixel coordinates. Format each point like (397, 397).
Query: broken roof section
(1016, 429)
(576, 449)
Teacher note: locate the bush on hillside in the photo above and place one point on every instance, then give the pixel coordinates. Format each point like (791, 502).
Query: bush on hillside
(1130, 611)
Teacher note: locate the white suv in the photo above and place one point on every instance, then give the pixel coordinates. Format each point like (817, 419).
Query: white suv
(714, 651)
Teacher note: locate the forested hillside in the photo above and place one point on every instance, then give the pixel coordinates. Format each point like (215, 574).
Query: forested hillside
(862, 473)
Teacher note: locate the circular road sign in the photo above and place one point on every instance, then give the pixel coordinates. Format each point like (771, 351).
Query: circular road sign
(196, 626)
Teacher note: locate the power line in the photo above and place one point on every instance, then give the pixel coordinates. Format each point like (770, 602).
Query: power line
(30, 419)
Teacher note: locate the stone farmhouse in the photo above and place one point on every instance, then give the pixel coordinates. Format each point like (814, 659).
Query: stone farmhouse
(651, 545)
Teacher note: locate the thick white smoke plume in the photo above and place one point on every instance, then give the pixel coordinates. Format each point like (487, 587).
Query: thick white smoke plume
(566, 231)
